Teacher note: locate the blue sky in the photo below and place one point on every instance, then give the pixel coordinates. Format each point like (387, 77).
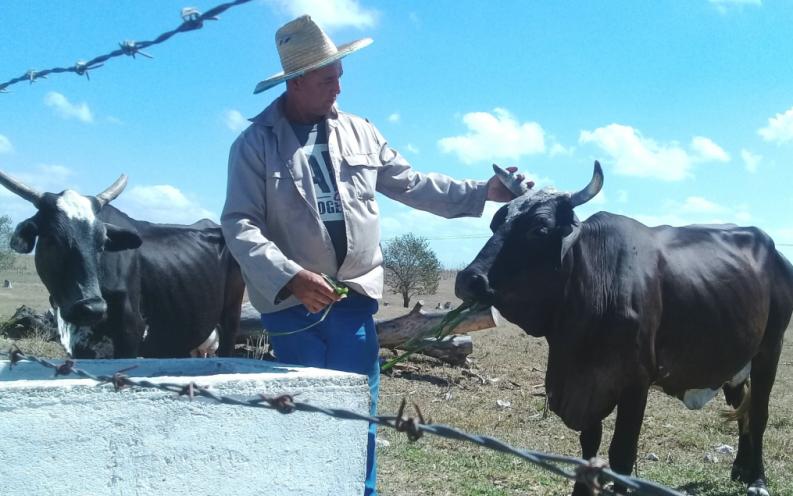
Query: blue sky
(688, 104)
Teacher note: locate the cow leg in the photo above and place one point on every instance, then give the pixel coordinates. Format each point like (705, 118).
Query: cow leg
(128, 330)
(230, 316)
(590, 443)
(763, 375)
(624, 444)
(740, 467)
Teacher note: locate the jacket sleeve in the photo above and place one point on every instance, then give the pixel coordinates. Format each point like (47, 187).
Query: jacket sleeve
(435, 193)
(265, 268)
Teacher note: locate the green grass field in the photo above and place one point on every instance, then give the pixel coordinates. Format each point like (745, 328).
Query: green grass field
(507, 367)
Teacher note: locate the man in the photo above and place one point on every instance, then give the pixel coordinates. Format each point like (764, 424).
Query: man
(301, 212)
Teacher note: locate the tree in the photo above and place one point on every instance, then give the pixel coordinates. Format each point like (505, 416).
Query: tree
(411, 267)
(7, 257)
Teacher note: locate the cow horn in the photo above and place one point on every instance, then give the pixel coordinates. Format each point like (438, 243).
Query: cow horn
(592, 189)
(20, 189)
(113, 191)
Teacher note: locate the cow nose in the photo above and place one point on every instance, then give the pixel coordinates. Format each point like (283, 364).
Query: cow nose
(472, 285)
(86, 312)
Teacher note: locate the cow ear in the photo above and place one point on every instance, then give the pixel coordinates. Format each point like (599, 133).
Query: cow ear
(498, 218)
(24, 238)
(119, 238)
(570, 228)
(570, 238)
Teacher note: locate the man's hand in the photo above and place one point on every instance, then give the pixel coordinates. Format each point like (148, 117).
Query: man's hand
(496, 191)
(312, 290)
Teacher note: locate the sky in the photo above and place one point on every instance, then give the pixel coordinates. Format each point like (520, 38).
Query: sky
(687, 104)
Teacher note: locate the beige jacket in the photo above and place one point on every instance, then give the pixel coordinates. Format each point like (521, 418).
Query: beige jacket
(270, 219)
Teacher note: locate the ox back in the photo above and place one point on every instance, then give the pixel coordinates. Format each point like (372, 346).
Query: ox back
(168, 295)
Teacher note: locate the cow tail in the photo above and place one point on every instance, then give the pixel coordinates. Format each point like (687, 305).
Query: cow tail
(741, 414)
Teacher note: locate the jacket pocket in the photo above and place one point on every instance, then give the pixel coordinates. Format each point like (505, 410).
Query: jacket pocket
(362, 169)
(362, 159)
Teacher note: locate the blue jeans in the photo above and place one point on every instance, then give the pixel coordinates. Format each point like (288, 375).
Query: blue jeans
(346, 340)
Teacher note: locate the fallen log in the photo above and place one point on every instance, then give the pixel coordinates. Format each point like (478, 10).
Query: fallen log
(451, 349)
(28, 323)
(395, 332)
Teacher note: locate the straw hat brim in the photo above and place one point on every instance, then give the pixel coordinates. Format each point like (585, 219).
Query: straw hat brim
(341, 52)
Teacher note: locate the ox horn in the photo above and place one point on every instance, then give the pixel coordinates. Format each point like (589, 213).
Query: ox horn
(20, 189)
(112, 191)
(593, 188)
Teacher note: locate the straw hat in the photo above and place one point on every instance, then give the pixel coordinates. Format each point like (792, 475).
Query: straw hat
(303, 47)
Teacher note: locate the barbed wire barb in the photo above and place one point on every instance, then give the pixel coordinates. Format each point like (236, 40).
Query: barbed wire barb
(192, 19)
(593, 473)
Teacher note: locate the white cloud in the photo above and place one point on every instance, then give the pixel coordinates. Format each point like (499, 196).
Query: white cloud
(779, 129)
(750, 160)
(42, 178)
(697, 205)
(47, 178)
(557, 149)
(736, 2)
(330, 14)
(495, 136)
(235, 121)
(743, 217)
(5, 145)
(696, 210)
(67, 109)
(412, 148)
(706, 150)
(599, 199)
(724, 5)
(394, 117)
(721, 4)
(162, 203)
(636, 155)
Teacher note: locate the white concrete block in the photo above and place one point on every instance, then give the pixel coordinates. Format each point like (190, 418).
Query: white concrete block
(66, 435)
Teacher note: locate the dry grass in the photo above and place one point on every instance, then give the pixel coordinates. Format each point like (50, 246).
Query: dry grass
(508, 365)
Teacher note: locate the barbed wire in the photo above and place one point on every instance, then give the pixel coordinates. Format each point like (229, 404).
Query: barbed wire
(192, 19)
(594, 473)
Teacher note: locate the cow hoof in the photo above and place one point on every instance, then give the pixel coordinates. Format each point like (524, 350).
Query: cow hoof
(758, 488)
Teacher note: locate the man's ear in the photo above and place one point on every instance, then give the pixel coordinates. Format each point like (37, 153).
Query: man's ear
(119, 238)
(24, 238)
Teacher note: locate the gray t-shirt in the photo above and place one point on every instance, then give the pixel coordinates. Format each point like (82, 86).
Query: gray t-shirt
(313, 139)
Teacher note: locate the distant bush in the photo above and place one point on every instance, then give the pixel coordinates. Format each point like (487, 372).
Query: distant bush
(8, 257)
(411, 267)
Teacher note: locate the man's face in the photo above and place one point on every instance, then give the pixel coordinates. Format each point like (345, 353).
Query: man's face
(317, 89)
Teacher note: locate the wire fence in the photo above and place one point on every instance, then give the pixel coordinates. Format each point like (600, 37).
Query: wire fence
(192, 19)
(594, 473)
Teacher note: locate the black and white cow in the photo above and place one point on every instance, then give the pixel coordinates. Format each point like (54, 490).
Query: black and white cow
(127, 288)
(625, 307)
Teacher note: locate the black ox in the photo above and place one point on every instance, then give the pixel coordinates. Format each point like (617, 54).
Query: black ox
(125, 288)
(624, 307)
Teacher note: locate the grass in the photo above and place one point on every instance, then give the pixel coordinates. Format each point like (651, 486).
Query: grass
(509, 366)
